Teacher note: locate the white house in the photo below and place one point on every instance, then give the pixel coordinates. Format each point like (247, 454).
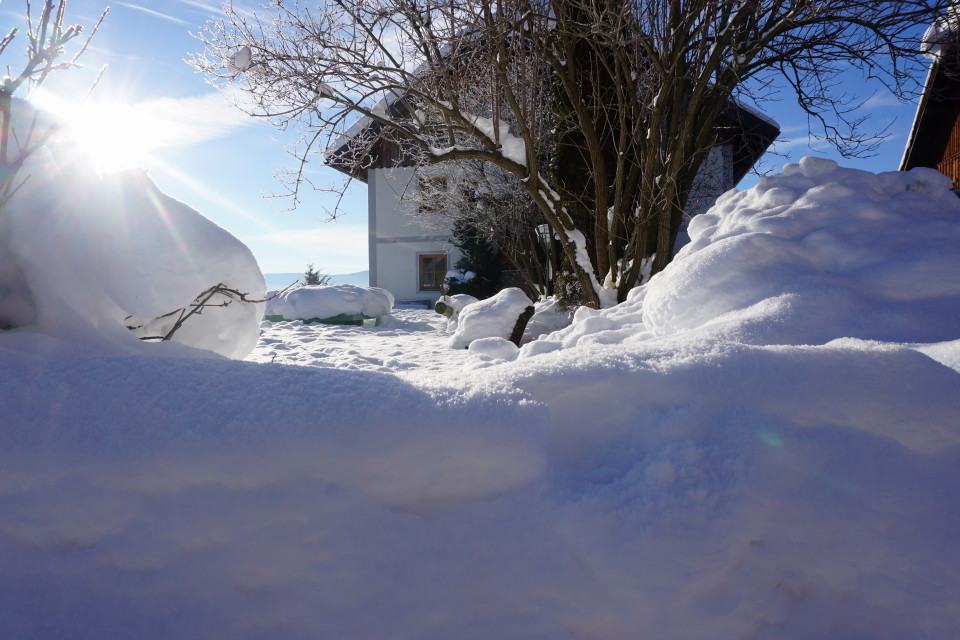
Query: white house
(406, 259)
(411, 261)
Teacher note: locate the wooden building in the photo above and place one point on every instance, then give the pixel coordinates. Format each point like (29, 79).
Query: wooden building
(935, 137)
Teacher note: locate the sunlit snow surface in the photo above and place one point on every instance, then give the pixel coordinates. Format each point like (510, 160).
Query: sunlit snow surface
(772, 450)
(411, 340)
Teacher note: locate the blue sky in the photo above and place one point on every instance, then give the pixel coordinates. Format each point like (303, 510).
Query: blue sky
(222, 162)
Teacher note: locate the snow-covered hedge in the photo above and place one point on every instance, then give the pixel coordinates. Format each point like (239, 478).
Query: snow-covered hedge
(328, 301)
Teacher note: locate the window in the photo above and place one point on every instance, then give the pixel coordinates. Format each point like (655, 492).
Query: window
(433, 268)
(430, 190)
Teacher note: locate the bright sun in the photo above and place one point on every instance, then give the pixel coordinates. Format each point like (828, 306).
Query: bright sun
(118, 136)
(114, 135)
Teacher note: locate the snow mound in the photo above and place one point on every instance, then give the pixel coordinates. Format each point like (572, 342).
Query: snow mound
(816, 253)
(327, 301)
(813, 254)
(84, 256)
(488, 349)
(494, 317)
(546, 318)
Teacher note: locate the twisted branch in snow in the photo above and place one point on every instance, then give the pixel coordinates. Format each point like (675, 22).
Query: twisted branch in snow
(200, 303)
(47, 38)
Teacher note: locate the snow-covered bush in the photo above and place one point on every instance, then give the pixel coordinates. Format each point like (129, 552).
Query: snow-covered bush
(320, 302)
(455, 304)
(494, 317)
(85, 255)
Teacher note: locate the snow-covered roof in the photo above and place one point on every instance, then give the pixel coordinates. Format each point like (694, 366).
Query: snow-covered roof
(943, 31)
(756, 112)
(354, 130)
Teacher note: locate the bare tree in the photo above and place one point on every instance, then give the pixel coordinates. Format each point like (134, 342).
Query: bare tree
(47, 39)
(632, 93)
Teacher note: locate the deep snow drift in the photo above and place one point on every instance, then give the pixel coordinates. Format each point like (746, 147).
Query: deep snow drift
(85, 255)
(761, 443)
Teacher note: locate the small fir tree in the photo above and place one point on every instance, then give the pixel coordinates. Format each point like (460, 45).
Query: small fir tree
(478, 255)
(313, 277)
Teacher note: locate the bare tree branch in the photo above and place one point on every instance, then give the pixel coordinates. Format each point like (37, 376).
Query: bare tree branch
(602, 112)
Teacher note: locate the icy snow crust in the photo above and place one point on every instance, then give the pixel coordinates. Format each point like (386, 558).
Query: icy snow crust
(762, 443)
(327, 301)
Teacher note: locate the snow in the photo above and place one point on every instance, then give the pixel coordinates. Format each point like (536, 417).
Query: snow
(493, 348)
(608, 297)
(547, 318)
(494, 317)
(941, 32)
(754, 111)
(849, 253)
(762, 442)
(511, 147)
(410, 341)
(83, 255)
(327, 301)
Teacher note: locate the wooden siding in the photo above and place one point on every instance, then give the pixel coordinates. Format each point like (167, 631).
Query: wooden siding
(935, 138)
(950, 161)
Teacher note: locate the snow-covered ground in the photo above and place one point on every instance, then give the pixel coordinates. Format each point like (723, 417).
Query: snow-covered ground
(763, 442)
(412, 341)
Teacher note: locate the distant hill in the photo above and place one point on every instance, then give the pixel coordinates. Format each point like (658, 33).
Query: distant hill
(280, 280)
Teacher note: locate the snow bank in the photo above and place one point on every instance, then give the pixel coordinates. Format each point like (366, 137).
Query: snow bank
(494, 317)
(820, 252)
(327, 301)
(84, 255)
(813, 254)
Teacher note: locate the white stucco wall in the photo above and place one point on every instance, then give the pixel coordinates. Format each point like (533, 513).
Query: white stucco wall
(396, 239)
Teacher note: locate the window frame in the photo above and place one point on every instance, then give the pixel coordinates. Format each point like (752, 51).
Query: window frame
(421, 271)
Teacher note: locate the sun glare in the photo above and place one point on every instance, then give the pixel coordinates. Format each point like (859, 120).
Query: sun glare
(114, 135)
(118, 136)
